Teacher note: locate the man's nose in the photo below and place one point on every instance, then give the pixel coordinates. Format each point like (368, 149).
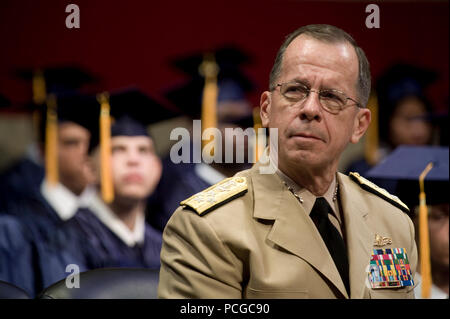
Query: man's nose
(132, 158)
(310, 108)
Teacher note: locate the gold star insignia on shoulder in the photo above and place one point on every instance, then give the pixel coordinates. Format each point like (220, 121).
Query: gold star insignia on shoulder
(380, 192)
(217, 195)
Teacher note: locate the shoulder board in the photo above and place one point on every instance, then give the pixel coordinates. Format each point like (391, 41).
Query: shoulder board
(381, 192)
(217, 195)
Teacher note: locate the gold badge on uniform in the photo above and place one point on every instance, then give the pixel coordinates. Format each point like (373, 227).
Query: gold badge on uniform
(389, 268)
(381, 241)
(217, 195)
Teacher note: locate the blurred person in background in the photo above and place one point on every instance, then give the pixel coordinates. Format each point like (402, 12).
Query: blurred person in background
(232, 109)
(113, 229)
(43, 212)
(405, 113)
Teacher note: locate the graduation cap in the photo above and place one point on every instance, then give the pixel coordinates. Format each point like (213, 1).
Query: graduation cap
(232, 84)
(402, 80)
(125, 112)
(422, 173)
(405, 165)
(58, 80)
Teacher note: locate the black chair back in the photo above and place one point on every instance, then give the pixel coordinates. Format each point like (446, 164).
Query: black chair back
(10, 291)
(108, 283)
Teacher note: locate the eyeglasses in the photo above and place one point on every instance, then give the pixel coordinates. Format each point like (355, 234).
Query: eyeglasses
(331, 100)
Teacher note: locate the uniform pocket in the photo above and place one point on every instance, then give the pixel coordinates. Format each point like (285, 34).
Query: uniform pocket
(276, 294)
(400, 293)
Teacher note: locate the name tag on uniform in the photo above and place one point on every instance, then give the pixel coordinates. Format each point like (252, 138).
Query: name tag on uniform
(389, 268)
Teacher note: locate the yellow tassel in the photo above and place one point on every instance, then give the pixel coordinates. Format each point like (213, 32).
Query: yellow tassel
(107, 187)
(209, 69)
(36, 120)
(257, 124)
(372, 137)
(424, 237)
(39, 89)
(51, 142)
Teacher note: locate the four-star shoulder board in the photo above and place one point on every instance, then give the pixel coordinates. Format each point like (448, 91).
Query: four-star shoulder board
(381, 192)
(216, 195)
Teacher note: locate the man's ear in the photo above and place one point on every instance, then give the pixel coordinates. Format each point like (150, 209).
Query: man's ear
(265, 105)
(360, 125)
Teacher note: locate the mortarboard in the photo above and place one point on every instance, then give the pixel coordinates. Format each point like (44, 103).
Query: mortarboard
(406, 163)
(131, 112)
(58, 80)
(418, 170)
(402, 80)
(232, 84)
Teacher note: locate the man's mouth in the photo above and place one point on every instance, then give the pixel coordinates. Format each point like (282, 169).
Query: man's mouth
(133, 178)
(306, 136)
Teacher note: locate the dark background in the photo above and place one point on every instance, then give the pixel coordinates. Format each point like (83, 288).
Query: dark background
(131, 42)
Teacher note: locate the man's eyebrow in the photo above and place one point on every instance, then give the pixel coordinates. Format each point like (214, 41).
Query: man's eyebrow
(304, 82)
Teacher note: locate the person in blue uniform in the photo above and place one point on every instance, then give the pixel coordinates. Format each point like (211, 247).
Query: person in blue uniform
(44, 211)
(233, 111)
(114, 231)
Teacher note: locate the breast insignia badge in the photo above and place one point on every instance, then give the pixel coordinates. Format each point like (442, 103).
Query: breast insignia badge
(381, 241)
(389, 268)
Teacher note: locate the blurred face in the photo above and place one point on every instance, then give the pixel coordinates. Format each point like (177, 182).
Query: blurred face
(135, 166)
(407, 125)
(438, 224)
(73, 144)
(308, 135)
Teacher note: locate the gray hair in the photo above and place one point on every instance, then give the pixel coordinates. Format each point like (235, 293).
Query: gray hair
(330, 34)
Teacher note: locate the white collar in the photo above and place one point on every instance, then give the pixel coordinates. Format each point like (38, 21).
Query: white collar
(117, 226)
(435, 293)
(208, 174)
(63, 201)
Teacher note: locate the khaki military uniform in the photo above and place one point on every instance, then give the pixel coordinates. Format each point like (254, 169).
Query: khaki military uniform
(260, 243)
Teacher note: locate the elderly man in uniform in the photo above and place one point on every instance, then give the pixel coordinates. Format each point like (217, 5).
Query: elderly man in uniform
(305, 231)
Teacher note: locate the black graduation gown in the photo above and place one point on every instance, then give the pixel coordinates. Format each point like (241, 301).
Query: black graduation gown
(103, 248)
(178, 182)
(21, 179)
(15, 254)
(54, 242)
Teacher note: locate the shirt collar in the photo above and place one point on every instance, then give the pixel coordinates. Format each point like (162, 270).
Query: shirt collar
(309, 198)
(116, 225)
(63, 201)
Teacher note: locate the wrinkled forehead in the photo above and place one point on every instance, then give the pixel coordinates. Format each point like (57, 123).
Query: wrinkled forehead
(335, 60)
